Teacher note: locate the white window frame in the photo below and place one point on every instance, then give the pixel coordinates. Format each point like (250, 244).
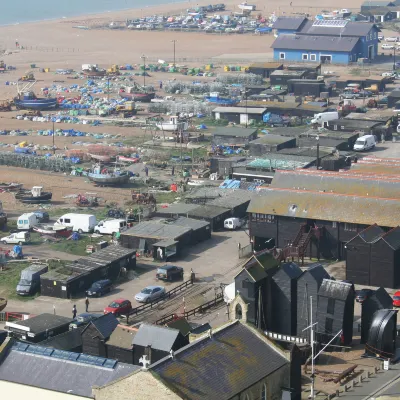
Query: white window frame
(264, 392)
(304, 57)
(334, 224)
(325, 55)
(335, 127)
(311, 57)
(282, 54)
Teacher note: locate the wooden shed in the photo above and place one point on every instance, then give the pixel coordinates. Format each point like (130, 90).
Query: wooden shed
(335, 311)
(308, 285)
(235, 136)
(265, 68)
(119, 345)
(270, 143)
(379, 300)
(284, 295)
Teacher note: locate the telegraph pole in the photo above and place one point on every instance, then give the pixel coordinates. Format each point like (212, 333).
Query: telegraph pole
(174, 42)
(143, 57)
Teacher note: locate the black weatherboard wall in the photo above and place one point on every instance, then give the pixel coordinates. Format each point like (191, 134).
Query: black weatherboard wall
(308, 285)
(284, 295)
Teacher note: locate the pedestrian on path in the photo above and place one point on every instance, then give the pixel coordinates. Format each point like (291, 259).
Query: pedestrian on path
(87, 304)
(74, 311)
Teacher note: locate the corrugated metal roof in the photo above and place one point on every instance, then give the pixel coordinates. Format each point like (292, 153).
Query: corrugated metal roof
(355, 29)
(157, 337)
(327, 207)
(281, 161)
(235, 131)
(61, 375)
(315, 43)
(335, 289)
(337, 183)
(196, 371)
(157, 230)
(289, 23)
(239, 110)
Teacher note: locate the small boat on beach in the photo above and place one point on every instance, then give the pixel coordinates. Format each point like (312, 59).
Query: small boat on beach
(92, 71)
(53, 230)
(172, 125)
(34, 196)
(10, 187)
(131, 160)
(27, 100)
(138, 96)
(101, 157)
(106, 177)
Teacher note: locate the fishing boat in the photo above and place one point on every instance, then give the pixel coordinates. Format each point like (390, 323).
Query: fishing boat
(92, 71)
(27, 100)
(53, 230)
(34, 196)
(10, 187)
(101, 157)
(137, 96)
(172, 124)
(106, 177)
(132, 160)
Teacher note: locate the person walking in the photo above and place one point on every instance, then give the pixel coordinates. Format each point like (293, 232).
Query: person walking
(74, 311)
(87, 304)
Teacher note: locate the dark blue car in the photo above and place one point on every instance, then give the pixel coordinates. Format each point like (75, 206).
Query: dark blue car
(99, 288)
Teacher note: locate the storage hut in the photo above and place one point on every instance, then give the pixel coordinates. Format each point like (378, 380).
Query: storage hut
(307, 87)
(38, 328)
(265, 68)
(335, 311)
(223, 165)
(379, 300)
(239, 115)
(393, 98)
(96, 333)
(236, 201)
(119, 346)
(233, 136)
(308, 284)
(281, 77)
(348, 125)
(174, 210)
(214, 215)
(156, 342)
(270, 143)
(284, 295)
(382, 335)
(312, 69)
(359, 257)
(67, 341)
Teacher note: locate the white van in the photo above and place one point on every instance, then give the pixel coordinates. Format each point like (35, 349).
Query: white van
(16, 238)
(320, 118)
(79, 222)
(233, 223)
(27, 221)
(110, 227)
(364, 143)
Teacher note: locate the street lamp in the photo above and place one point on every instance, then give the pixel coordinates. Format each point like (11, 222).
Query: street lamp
(317, 139)
(394, 59)
(174, 42)
(53, 120)
(247, 115)
(143, 57)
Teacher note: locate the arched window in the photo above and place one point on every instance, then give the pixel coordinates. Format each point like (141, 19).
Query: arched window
(264, 393)
(238, 311)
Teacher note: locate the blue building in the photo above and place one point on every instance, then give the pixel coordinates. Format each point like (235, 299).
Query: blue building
(327, 41)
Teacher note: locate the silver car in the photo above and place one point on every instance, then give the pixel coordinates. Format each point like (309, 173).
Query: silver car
(150, 293)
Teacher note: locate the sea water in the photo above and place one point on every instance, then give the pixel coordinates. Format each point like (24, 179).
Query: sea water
(20, 11)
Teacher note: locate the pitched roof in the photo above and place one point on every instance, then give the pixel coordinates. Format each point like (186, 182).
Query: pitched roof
(289, 23)
(318, 272)
(335, 289)
(68, 341)
(220, 367)
(392, 238)
(382, 298)
(369, 3)
(291, 269)
(122, 336)
(182, 325)
(157, 230)
(327, 207)
(354, 29)
(237, 132)
(371, 234)
(315, 43)
(41, 323)
(105, 325)
(60, 371)
(157, 337)
(337, 182)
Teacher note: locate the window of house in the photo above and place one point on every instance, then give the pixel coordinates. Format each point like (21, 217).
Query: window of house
(350, 227)
(304, 57)
(281, 56)
(335, 127)
(270, 219)
(329, 325)
(313, 57)
(375, 35)
(331, 306)
(264, 393)
(334, 224)
(342, 127)
(239, 315)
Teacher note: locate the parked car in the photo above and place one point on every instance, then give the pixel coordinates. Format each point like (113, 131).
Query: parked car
(363, 295)
(364, 143)
(83, 319)
(381, 37)
(350, 95)
(396, 299)
(99, 288)
(169, 273)
(150, 293)
(386, 46)
(42, 216)
(392, 39)
(388, 75)
(383, 100)
(16, 238)
(118, 307)
(365, 93)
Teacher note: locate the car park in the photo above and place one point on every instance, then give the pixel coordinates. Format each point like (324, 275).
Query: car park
(363, 295)
(83, 319)
(169, 273)
(118, 307)
(150, 293)
(99, 288)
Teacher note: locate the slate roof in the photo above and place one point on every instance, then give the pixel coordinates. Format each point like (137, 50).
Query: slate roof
(354, 29)
(158, 337)
(336, 182)
(220, 367)
(291, 269)
(318, 272)
(327, 206)
(237, 132)
(67, 341)
(315, 43)
(182, 325)
(41, 323)
(392, 238)
(293, 23)
(335, 289)
(381, 298)
(105, 325)
(122, 336)
(57, 374)
(371, 234)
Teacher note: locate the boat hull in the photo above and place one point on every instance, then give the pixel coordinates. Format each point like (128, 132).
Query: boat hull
(108, 180)
(36, 104)
(141, 97)
(28, 198)
(101, 158)
(93, 74)
(128, 159)
(50, 231)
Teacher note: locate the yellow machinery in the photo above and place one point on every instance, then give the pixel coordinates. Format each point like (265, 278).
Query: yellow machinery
(114, 69)
(28, 77)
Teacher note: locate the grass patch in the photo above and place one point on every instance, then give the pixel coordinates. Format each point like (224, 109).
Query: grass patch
(168, 197)
(76, 247)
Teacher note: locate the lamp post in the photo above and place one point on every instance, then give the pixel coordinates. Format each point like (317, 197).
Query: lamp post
(317, 138)
(143, 57)
(247, 115)
(174, 42)
(53, 120)
(394, 59)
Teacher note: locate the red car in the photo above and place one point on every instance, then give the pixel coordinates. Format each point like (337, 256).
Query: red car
(118, 307)
(396, 299)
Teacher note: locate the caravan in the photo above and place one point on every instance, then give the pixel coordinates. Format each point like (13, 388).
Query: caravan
(79, 222)
(27, 221)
